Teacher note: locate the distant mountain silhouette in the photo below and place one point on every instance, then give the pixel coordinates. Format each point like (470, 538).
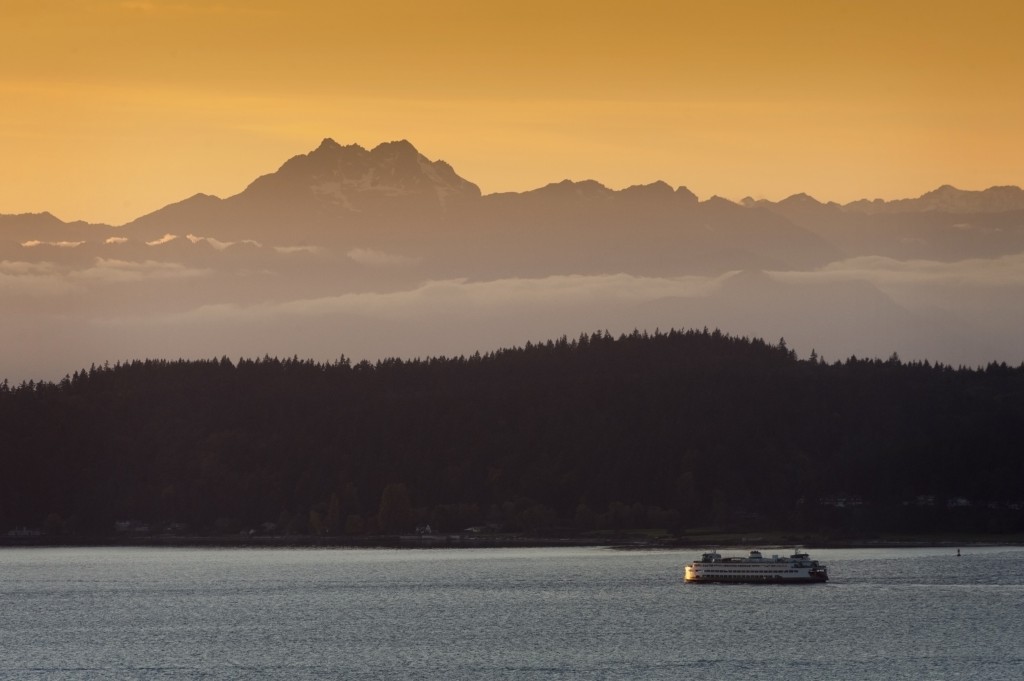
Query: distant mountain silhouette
(392, 199)
(48, 228)
(353, 179)
(948, 199)
(333, 194)
(385, 250)
(945, 224)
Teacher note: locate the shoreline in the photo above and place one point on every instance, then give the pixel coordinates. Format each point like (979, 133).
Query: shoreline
(461, 541)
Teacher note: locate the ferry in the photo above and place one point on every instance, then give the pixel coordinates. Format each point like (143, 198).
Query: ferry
(756, 569)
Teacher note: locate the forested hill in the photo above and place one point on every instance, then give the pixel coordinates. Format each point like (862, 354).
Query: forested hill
(682, 430)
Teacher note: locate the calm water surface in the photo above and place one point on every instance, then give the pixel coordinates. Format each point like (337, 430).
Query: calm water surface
(152, 613)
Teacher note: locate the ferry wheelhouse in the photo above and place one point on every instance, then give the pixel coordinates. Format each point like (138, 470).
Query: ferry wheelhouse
(797, 568)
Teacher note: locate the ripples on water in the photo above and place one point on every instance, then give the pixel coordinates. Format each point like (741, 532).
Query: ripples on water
(154, 613)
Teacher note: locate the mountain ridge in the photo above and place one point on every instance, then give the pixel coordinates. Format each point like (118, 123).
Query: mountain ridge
(397, 167)
(330, 157)
(394, 201)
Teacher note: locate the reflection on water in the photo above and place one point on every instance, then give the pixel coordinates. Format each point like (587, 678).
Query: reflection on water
(155, 613)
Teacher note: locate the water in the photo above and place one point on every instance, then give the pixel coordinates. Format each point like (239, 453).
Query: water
(151, 613)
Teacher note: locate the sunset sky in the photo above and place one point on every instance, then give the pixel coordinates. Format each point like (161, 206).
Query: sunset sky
(110, 109)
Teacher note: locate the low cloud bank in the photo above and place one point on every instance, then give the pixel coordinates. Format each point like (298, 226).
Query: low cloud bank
(367, 256)
(459, 296)
(966, 312)
(989, 272)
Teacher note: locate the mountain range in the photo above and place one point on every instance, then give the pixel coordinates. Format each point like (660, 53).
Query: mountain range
(380, 252)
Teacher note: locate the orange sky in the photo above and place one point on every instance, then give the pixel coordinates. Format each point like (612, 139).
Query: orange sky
(110, 109)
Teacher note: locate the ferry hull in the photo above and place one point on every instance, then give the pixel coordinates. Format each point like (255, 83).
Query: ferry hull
(750, 580)
(714, 569)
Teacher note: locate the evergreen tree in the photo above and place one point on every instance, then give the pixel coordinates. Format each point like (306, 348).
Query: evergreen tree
(395, 512)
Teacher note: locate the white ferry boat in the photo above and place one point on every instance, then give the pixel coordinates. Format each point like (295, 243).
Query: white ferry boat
(756, 569)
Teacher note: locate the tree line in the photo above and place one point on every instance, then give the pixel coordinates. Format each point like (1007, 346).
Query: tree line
(685, 430)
